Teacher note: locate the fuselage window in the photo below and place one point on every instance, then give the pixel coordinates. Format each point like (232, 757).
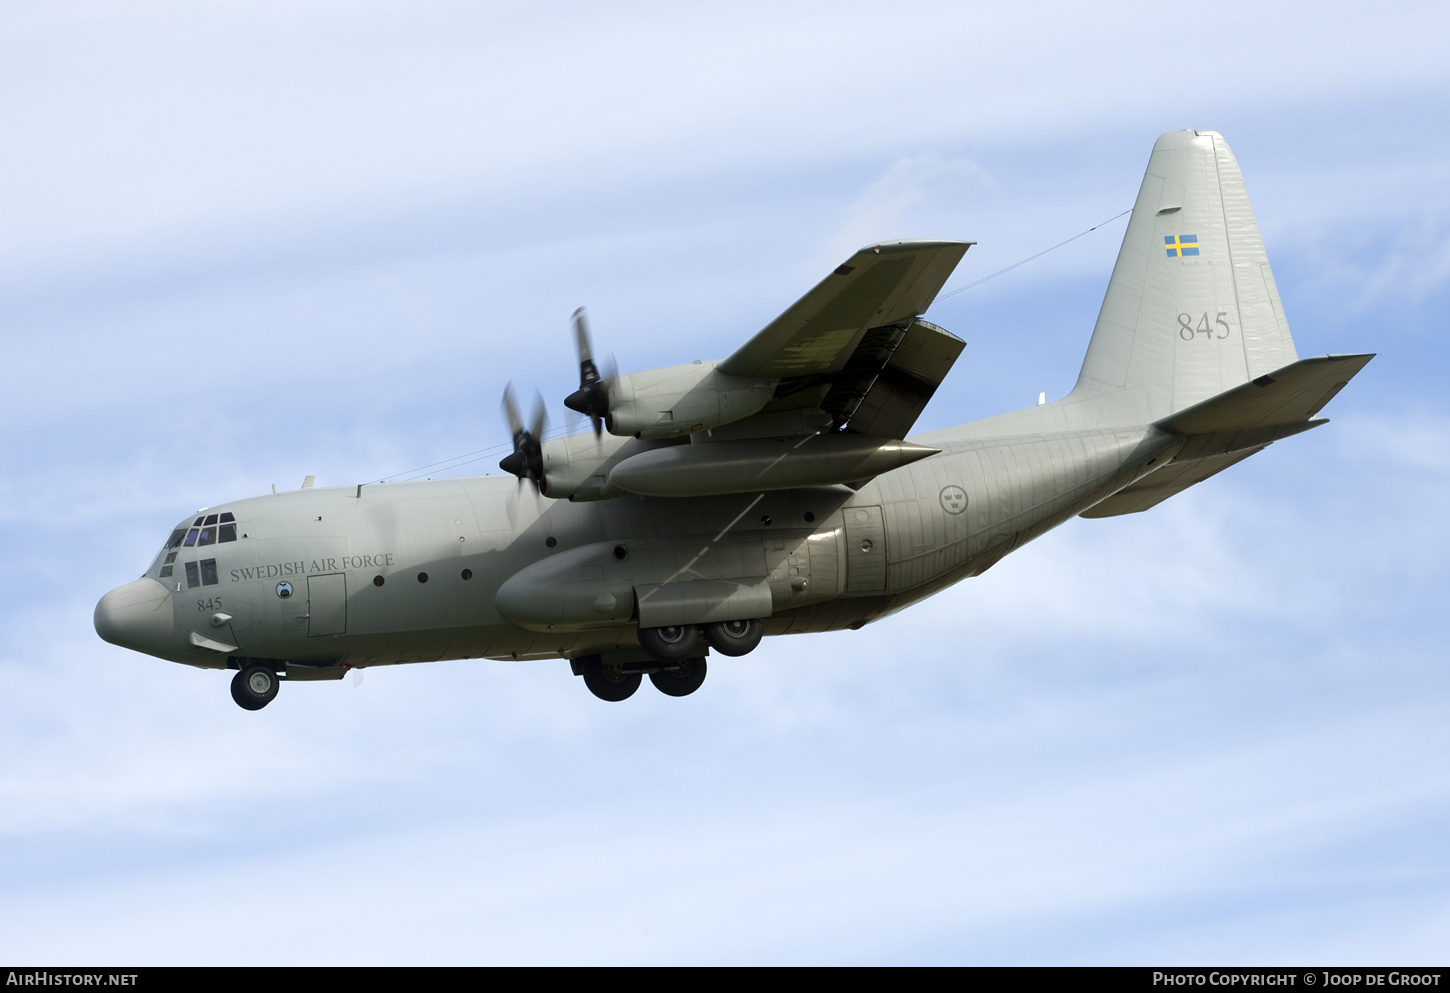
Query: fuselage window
(193, 578)
(166, 568)
(208, 572)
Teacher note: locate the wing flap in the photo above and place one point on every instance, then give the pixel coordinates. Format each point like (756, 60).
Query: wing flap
(880, 285)
(907, 382)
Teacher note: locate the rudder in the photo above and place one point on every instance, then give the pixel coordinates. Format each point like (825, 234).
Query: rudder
(1192, 309)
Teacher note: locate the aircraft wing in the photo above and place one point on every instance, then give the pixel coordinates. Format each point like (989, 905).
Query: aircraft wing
(880, 285)
(824, 395)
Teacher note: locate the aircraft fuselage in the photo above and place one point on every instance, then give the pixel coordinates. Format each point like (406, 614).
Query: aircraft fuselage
(329, 578)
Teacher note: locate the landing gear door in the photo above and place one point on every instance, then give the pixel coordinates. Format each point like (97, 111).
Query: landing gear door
(865, 549)
(326, 605)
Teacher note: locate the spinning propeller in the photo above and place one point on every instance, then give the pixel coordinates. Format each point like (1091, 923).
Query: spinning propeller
(592, 396)
(527, 459)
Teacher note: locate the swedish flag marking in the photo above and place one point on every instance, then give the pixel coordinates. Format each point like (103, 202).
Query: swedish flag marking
(1181, 245)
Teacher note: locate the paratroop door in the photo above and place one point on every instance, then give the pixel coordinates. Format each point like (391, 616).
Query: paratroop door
(865, 550)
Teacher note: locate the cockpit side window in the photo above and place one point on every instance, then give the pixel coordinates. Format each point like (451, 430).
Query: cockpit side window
(209, 529)
(203, 573)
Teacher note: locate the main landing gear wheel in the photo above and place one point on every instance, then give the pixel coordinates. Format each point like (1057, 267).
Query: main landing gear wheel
(735, 637)
(671, 644)
(255, 687)
(680, 680)
(608, 682)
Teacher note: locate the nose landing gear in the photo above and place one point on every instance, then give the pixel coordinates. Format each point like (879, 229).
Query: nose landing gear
(255, 686)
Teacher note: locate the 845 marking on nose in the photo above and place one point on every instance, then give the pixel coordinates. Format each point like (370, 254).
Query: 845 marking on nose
(1189, 331)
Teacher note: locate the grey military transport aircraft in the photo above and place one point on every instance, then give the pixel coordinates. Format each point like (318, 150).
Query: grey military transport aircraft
(773, 492)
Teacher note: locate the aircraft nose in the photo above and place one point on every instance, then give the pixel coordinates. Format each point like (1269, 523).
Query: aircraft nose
(137, 616)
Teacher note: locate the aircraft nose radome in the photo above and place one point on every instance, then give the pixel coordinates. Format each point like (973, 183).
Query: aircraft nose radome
(137, 616)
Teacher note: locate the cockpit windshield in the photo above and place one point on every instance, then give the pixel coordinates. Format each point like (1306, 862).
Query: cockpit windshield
(208, 529)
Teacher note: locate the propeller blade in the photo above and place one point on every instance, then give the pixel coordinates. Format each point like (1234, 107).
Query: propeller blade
(592, 397)
(540, 419)
(526, 461)
(580, 320)
(511, 412)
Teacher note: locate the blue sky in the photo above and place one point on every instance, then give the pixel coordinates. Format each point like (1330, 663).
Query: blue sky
(244, 243)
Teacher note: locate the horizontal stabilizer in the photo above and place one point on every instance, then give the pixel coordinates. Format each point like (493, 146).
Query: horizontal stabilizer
(1230, 427)
(1158, 486)
(1294, 393)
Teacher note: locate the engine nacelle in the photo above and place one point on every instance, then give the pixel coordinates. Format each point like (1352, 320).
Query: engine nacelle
(676, 401)
(576, 467)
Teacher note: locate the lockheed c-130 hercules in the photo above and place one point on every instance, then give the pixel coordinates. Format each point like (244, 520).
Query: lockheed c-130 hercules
(774, 492)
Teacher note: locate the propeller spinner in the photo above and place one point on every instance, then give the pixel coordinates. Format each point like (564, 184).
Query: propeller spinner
(527, 459)
(592, 396)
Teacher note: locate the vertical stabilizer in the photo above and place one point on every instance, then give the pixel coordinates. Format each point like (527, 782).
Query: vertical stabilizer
(1192, 309)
